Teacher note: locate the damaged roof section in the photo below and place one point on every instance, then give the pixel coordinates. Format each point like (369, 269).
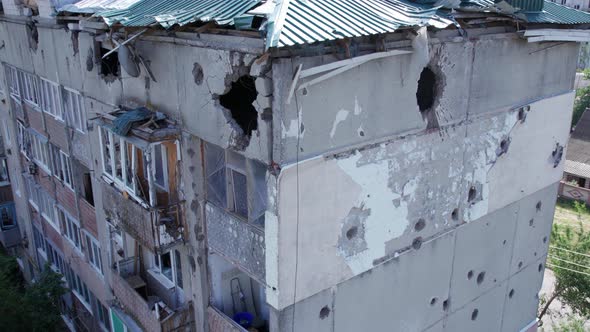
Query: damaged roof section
(298, 22)
(145, 13)
(93, 6)
(141, 122)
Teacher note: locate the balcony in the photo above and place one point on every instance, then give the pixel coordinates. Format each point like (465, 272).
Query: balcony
(9, 231)
(219, 322)
(153, 227)
(142, 298)
(139, 168)
(238, 241)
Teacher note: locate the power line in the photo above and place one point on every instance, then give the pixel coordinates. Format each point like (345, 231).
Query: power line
(574, 252)
(565, 268)
(570, 262)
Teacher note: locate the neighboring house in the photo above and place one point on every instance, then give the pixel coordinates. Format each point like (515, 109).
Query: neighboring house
(576, 176)
(576, 4)
(302, 165)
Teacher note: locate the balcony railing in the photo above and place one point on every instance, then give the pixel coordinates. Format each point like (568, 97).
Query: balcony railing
(219, 322)
(237, 240)
(154, 227)
(136, 297)
(10, 237)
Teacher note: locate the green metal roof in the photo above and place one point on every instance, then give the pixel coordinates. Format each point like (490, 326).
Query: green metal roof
(297, 22)
(171, 12)
(551, 13)
(309, 21)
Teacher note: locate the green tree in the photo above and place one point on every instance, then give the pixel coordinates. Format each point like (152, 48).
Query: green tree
(32, 307)
(569, 259)
(581, 103)
(573, 324)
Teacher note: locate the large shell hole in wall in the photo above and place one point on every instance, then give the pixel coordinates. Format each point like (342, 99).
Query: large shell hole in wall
(239, 101)
(109, 65)
(426, 89)
(427, 94)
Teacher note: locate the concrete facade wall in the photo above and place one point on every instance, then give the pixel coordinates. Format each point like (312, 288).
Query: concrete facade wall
(366, 180)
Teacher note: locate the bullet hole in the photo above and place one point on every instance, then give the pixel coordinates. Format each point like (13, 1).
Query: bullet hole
(420, 225)
(90, 60)
(470, 275)
(304, 92)
(531, 222)
(433, 301)
(519, 265)
(474, 314)
(352, 232)
(446, 304)
(540, 267)
(426, 96)
(504, 242)
(511, 294)
(198, 73)
(361, 133)
(480, 277)
(472, 194)
(455, 214)
(504, 144)
(539, 205)
(557, 155)
(522, 114)
(239, 101)
(109, 66)
(535, 254)
(417, 243)
(545, 239)
(324, 312)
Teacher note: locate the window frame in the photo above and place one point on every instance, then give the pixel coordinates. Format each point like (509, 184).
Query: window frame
(110, 158)
(71, 227)
(51, 99)
(175, 267)
(74, 109)
(62, 166)
(93, 252)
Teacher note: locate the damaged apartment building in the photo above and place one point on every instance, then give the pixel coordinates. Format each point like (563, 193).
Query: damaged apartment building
(287, 165)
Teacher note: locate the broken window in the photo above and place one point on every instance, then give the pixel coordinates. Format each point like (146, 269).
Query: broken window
(239, 101)
(169, 265)
(127, 166)
(74, 109)
(236, 183)
(109, 65)
(50, 101)
(88, 195)
(70, 226)
(62, 168)
(426, 89)
(4, 179)
(161, 166)
(7, 216)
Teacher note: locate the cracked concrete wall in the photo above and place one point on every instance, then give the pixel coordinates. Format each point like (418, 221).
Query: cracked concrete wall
(404, 191)
(480, 276)
(68, 58)
(378, 99)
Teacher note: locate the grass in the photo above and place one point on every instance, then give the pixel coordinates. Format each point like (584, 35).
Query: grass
(566, 214)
